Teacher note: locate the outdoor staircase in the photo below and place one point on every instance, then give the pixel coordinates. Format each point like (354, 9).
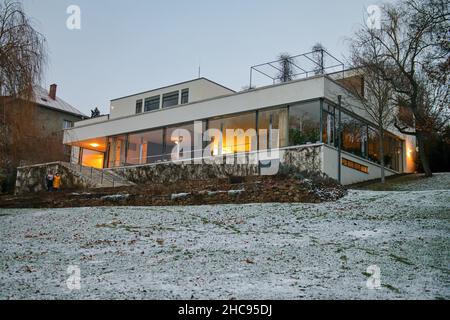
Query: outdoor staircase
(98, 178)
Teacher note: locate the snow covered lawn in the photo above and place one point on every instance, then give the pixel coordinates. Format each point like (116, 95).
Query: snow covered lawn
(264, 251)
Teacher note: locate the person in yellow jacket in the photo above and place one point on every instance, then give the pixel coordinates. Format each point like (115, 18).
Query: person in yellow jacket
(57, 182)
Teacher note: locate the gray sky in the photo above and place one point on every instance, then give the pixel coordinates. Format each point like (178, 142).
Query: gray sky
(129, 46)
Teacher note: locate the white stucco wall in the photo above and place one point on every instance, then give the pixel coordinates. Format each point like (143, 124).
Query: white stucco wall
(282, 94)
(91, 121)
(333, 89)
(349, 175)
(199, 89)
(349, 102)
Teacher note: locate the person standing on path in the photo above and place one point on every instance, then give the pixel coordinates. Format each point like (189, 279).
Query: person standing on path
(57, 182)
(49, 181)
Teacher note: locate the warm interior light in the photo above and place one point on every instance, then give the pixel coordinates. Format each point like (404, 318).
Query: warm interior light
(93, 160)
(94, 145)
(409, 153)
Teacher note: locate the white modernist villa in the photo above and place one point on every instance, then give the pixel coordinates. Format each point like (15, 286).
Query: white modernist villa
(138, 130)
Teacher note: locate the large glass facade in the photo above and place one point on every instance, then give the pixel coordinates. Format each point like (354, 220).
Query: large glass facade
(329, 125)
(117, 151)
(373, 145)
(393, 152)
(145, 147)
(297, 124)
(243, 141)
(92, 158)
(176, 140)
(270, 120)
(354, 135)
(304, 123)
(360, 139)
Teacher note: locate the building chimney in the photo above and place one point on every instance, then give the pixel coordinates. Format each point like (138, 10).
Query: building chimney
(52, 92)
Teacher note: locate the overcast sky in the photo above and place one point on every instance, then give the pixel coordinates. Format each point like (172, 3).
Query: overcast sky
(125, 47)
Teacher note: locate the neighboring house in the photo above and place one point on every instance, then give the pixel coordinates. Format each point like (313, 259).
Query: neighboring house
(138, 130)
(34, 129)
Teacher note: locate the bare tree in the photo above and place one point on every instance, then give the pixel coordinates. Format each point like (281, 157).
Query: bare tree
(375, 94)
(22, 51)
(413, 43)
(286, 70)
(22, 59)
(319, 59)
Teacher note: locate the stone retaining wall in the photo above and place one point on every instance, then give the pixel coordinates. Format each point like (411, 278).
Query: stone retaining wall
(32, 178)
(306, 158)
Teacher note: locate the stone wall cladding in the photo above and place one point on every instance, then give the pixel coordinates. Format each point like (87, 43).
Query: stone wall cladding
(306, 158)
(32, 178)
(169, 172)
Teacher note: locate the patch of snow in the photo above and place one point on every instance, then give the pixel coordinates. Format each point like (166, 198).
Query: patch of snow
(366, 233)
(115, 197)
(300, 251)
(235, 192)
(179, 196)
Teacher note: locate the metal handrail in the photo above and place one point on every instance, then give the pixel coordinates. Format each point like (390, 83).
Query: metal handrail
(93, 172)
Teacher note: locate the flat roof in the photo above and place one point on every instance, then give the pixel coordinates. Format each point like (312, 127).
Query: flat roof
(173, 85)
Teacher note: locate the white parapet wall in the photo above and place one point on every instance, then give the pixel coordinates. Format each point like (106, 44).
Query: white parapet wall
(348, 175)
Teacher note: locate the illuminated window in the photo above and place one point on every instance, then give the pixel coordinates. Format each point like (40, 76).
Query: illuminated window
(174, 138)
(242, 140)
(373, 146)
(354, 135)
(270, 120)
(91, 158)
(393, 152)
(354, 165)
(116, 151)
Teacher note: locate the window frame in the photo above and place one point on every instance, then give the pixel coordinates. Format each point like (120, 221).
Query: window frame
(139, 105)
(69, 122)
(184, 96)
(148, 102)
(170, 95)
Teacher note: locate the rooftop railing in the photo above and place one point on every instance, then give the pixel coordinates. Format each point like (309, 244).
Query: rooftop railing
(288, 68)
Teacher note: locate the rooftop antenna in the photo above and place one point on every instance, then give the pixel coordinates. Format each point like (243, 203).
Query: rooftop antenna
(199, 67)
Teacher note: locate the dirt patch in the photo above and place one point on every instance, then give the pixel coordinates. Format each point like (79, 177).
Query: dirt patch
(281, 189)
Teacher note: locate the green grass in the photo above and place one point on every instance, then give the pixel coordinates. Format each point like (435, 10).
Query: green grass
(392, 288)
(401, 259)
